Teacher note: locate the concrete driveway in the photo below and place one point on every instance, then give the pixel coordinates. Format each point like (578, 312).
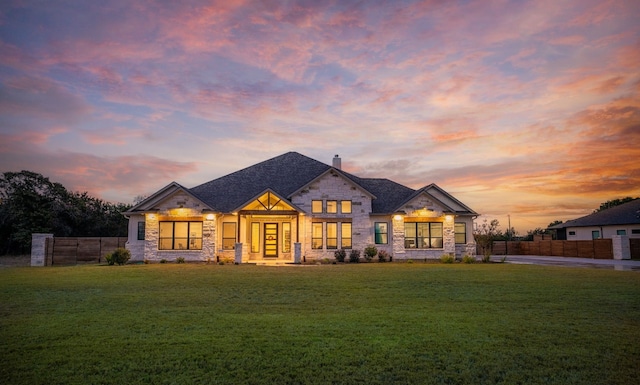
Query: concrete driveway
(615, 264)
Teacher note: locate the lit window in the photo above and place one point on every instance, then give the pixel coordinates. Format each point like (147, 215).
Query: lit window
(345, 234)
(332, 207)
(286, 237)
(381, 233)
(316, 235)
(255, 237)
(423, 235)
(229, 235)
(316, 207)
(345, 207)
(180, 236)
(141, 228)
(332, 235)
(595, 234)
(460, 232)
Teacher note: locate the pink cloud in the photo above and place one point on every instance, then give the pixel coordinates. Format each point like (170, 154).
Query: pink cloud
(130, 175)
(568, 40)
(113, 135)
(32, 97)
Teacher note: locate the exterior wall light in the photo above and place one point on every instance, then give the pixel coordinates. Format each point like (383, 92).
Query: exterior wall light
(449, 218)
(210, 217)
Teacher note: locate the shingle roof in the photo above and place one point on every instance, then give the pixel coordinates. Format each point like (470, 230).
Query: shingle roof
(283, 174)
(624, 214)
(390, 195)
(286, 174)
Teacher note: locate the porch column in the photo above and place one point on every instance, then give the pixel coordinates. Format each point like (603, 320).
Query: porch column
(297, 252)
(238, 253)
(397, 227)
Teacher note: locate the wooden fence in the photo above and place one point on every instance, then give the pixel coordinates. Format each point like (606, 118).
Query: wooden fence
(72, 251)
(634, 246)
(595, 249)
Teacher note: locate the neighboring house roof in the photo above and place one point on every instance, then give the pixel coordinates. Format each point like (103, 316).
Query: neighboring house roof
(624, 214)
(290, 173)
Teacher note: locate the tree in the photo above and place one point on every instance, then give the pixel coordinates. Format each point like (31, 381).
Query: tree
(612, 203)
(31, 203)
(556, 222)
(485, 233)
(531, 233)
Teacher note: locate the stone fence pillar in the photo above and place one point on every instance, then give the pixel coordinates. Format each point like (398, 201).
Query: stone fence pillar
(621, 247)
(39, 249)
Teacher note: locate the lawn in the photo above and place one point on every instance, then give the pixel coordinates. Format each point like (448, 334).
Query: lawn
(332, 324)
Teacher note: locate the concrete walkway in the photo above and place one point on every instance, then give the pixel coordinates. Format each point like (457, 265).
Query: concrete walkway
(616, 264)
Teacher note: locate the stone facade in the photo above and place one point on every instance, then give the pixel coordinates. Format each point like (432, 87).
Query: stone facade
(294, 220)
(334, 187)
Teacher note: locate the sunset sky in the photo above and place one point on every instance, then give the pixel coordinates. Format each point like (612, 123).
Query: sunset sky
(522, 108)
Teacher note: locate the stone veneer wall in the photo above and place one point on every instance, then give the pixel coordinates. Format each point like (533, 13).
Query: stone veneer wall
(334, 187)
(170, 210)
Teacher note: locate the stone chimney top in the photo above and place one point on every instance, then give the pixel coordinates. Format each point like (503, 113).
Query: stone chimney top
(337, 162)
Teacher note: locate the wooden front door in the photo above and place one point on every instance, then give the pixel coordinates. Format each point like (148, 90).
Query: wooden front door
(271, 240)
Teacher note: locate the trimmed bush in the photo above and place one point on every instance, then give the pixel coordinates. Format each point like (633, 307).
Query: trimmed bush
(383, 256)
(340, 255)
(447, 258)
(354, 256)
(119, 256)
(468, 259)
(180, 260)
(370, 252)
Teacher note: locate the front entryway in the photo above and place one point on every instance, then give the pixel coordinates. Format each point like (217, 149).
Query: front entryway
(271, 240)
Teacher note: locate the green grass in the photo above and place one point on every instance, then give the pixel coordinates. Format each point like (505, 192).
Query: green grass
(332, 324)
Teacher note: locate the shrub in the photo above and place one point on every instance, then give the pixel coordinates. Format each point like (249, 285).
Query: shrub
(486, 258)
(119, 256)
(180, 260)
(383, 255)
(163, 260)
(468, 259)
(447, 258)
(354, 256)
(340, 255)
(370, 252)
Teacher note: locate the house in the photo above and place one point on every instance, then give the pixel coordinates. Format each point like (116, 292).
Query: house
(619, 220)
(292, 208)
